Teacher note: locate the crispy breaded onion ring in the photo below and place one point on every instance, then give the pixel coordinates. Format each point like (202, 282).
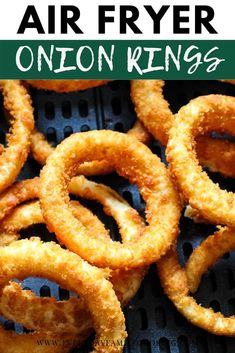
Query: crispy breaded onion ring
(199, 261)
(65, 85)
(23, 258)
(153, 111)
(19, 192)
(70, 316)
(132, 160)
(18, 103)
(28, 214)
(174, 281)
(41, 149)
(201, 115)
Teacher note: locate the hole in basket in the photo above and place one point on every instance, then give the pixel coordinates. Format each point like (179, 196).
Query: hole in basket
(179, 319)
(67, 131)
(114, 85)
(164, 345)
(143, 318)
(141, 291)
(63, 294)
(211, 281)
(182, 99)
(116, 106)
(9, 325)
(66, 109)
(2, 137)
(202, 346)
(230, 278)
(25, 330)
(215, 305)
(49, 110)
(220, 345)
(51, 135)
(231, 306)
(127, 195)
(38, 230)
(119, 127)
(85, 128)
(45, 291)
(26, 288)
(183, 344)
(187, 250)
(145, 346)
(160, 317)
(155, 284)
(226, 256)
(156, 149)
(83, 108)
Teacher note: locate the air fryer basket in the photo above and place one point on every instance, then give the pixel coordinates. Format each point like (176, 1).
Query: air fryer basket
(153, 324)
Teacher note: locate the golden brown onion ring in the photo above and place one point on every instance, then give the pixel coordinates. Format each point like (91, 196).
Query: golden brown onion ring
(65, 85)
(23, 259)
(28, 214)
(132, 160)
(174, 281)
(41, 149)
(18, 103)
(45, 314)
(201, 115)
(207, 253)
(19, 192)
(153, 111)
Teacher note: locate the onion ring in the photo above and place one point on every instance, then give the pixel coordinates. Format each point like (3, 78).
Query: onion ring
(26, 215)
(23, 258)
(216, 245)
(132, 160)
(18, 103)
(41, 149)
(19, 192)
(70, 316)
(153, 111)
(174, 281)
(213, 112)
(65, 85)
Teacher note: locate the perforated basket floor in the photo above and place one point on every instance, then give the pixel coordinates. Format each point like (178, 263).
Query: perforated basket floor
(153, 324)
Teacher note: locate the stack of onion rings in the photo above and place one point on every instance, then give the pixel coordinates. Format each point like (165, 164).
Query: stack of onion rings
(73, 317)
(23, 258)
(99, 152)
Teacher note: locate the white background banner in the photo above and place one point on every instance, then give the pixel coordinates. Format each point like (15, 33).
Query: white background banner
(13, 11)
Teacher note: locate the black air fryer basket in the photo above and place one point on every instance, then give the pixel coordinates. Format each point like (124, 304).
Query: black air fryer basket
(153, 324)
